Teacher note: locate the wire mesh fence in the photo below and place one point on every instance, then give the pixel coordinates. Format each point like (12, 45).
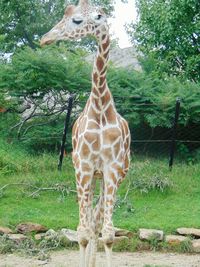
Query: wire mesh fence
(175, 138)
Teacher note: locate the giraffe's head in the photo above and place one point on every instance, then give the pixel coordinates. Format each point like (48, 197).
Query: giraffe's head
(77, 22)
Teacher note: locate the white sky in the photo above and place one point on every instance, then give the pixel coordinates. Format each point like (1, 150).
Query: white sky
(124, 13)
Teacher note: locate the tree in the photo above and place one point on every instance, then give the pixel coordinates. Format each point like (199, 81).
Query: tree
(168, 32)
(34, 73)
(39, 83)
(24, 22)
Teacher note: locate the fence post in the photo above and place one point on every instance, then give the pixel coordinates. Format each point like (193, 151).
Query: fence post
(66, 125)
(174, 133)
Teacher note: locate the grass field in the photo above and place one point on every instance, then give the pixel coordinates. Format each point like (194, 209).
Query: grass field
(157, 198)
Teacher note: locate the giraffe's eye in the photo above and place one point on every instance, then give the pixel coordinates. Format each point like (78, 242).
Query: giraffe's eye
(98, 17)
(77, 21)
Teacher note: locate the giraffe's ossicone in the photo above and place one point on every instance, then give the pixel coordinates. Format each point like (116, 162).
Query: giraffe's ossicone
(100, 136)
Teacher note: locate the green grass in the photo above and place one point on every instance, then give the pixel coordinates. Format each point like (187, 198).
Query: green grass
(175, 206)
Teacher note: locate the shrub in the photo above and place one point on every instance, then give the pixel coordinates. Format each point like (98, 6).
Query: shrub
(145, 183)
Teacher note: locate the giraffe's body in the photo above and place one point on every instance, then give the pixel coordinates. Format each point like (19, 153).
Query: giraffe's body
(101, 145)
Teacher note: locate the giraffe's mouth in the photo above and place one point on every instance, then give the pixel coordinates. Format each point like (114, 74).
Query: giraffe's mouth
(45, 41)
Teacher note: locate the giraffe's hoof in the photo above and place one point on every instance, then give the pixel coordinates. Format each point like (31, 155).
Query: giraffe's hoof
(108, 240)
(83, 242)
(108, 236)
(83, 236)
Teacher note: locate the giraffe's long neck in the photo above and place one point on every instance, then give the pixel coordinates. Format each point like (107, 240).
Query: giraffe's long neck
(100, 94)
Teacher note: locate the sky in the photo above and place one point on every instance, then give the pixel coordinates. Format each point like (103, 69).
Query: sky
(124, 13)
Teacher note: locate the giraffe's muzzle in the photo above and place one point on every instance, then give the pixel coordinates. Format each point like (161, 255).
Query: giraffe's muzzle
(45, 41)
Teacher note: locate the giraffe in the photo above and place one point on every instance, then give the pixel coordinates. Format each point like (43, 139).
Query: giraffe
(100, 136)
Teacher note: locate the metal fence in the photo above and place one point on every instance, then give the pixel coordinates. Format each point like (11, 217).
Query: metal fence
(167, 142)
(177, 140)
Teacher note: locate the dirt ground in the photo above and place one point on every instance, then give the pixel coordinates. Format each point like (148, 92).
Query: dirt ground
(70, 259)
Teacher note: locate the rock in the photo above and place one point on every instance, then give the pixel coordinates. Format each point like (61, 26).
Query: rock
(148, 234)
(18, 238)
(123, 232)
(70, 235)
(5, 231)
(51, 234)
(175, 239)
(196, 245)
(189, 231)
(39, 236)
(30, 227)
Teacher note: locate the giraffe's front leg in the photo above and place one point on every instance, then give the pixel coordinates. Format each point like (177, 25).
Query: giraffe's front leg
(108, 233)
(85, 192)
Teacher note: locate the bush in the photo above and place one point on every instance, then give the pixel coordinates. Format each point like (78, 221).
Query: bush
(145, 100)
(155, 182)
(146, 177)
(37, 72)
(43, 79)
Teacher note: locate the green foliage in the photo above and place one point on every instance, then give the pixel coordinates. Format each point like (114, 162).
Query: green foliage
(16, 161)
(191, 157)
(186, 246)
(126, 245)
(168, 32)
(39, 71)
(43, 78)
(196, 155)
(142, 180)
(32, 248)
(6, 118)
(6, 245)
(143, 98)
(154, 243)
(146, 184)
(25, 22)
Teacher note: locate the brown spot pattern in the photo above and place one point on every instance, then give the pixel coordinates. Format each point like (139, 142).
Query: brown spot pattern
(85, 167)
(106, 98)
(95, 77)
(100, 64)
(110, 135)
(107, 152)
(84, 151)
(95, 91)
(113, 178)
(106, 44)
(93, 125)
(110, 115)
(91, 137)
(110, 190)
(85, 180)
(102, 88)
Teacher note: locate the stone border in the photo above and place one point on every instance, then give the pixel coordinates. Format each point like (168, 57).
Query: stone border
(191, 236)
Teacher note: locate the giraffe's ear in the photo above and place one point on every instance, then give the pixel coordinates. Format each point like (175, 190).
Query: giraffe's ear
(69, 10)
